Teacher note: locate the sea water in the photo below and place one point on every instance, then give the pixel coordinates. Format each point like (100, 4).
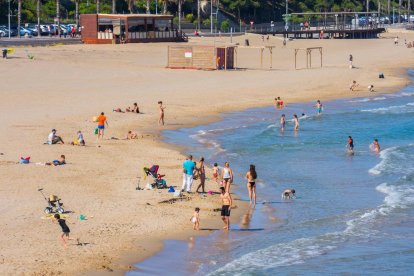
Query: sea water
(354, 214)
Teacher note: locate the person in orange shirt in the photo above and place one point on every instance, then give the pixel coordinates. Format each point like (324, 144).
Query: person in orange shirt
(101, 125)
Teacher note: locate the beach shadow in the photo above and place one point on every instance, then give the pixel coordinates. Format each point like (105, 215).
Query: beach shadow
(209, 229)
(248, 230)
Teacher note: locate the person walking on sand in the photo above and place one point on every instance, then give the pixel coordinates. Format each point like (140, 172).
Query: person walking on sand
(282, 122)
(202, 174)
(216, 173)
(65, 228)
(188, 170)
(318, 107)
(296, 121)
(161, 109)
(101, 125)
(227, 176)
(351, 60)
(251, 177)
(226, 202)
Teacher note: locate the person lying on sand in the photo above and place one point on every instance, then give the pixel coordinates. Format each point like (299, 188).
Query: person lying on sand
(118, 110)
(131, 135)
(288, 194)
(58, 162)
(134, 108)
(53, 138)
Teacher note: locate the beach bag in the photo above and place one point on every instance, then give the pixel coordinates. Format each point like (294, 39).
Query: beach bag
(177, 193)
(53, 198)
(171, 189)
(96, 131)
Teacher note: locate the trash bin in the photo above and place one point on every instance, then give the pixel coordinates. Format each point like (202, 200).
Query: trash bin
(4, 53)
(246, 42)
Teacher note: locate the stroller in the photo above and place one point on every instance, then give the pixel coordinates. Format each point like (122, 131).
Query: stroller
(158, 181)
(54, 204)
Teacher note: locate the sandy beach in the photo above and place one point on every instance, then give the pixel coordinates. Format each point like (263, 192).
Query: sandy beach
(65, 86)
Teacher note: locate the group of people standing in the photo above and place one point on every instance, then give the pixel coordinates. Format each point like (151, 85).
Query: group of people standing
(223, 177)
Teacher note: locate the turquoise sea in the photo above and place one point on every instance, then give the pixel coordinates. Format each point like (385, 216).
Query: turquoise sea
(353, 215)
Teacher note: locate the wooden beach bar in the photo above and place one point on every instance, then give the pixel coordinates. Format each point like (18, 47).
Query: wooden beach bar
(128, 28)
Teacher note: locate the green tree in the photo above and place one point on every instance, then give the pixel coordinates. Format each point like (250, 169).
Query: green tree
(225, 25)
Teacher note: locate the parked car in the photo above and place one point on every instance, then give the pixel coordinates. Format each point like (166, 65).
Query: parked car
(6, 31)
(2, 33)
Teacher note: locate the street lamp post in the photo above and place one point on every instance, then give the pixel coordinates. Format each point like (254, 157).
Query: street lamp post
(9, 18)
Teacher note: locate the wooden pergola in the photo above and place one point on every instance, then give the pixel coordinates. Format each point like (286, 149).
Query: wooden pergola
(308, 55)
(261, 49)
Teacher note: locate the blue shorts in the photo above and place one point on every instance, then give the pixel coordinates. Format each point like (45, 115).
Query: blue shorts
(101, 127)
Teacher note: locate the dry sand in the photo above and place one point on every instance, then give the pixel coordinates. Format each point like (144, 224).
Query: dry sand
(65, 86)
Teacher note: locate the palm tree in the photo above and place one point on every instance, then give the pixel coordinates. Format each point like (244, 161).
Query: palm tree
(148, 7)
(19, 16)
(98, 6)
(113, 6)
(164, 8)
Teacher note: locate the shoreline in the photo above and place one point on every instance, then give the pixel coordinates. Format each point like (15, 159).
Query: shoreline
(179, 115)
(213, 118)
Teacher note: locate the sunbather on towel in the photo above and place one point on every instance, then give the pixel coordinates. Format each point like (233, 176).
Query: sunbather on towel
(58, 162)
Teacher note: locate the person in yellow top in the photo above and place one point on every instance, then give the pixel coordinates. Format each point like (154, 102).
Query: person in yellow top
(101, 125)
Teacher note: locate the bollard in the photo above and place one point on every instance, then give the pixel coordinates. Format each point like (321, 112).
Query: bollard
(4, 53)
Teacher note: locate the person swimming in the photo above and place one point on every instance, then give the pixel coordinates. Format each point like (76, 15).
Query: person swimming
(289, 194)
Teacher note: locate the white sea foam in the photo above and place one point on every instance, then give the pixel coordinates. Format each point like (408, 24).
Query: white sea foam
(297, 251)
(395, 160)
(363, 100)
(379, 98)
(395, 109)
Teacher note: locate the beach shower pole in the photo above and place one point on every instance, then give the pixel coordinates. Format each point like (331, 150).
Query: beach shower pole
(211, 16)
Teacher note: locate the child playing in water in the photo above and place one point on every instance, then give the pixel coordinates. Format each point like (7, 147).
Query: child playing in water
(318, 107)
(282, 122)
(289, 194)
(296, 121)
(376, 146)
(196, 219)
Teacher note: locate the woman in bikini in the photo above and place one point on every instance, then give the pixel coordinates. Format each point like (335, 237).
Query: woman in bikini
(202, 174)
(227, 176)
(251, 177)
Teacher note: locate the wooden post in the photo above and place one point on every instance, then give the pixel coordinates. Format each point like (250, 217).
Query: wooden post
(235, 59)
(271, 57)
(296, 52)
(261, 58)
(225, 58)
(310, 58)
(320, 51)
(168, 58)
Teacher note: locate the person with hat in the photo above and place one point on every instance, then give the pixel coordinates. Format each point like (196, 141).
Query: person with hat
(53, 138)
